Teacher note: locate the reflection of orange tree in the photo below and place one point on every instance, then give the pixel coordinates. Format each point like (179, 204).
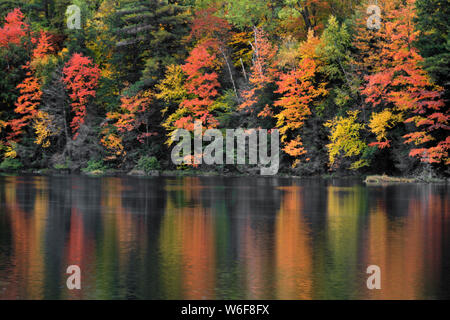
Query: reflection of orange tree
(293, 248)
(404, 249)
(26, 277)
(257, 260)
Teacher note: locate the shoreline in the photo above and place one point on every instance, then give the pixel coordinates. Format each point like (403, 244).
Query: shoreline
(369, 180)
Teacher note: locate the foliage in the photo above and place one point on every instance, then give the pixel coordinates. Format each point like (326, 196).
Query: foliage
(201, 87)
(262, 74)
(81, 78)
(342, 95)
(14, 28)
(10, 164)
(95, 166)
(298, 93)
(148, 164)
(345, 140)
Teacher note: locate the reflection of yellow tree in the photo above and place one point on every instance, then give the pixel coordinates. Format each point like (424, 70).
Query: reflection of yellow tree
(187, 245)
(26, 277)
(122, 233)
(345, 206)
(293, 249)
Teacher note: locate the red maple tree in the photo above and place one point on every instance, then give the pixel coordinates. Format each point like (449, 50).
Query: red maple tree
(201, 85)
(14, 28)
(81, 78)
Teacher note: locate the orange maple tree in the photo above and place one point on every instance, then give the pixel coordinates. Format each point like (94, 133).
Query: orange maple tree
(30, 89)
(298, 93)
(400, 83)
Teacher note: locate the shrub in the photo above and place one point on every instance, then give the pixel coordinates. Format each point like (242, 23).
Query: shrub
(94, 166)
(10, 164)
(148, 164)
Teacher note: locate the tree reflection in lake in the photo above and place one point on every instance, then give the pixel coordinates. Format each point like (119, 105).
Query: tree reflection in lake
(221, 238)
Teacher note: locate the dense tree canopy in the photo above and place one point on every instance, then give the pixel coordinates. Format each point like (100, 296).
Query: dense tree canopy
(345, 96)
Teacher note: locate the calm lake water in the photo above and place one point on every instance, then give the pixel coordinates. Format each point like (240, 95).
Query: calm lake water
(222, 238)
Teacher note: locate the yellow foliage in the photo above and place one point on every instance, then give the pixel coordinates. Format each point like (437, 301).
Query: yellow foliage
(3, 124)
(42, 127)
(101, 45)
(382, 121)
(242, 50)
(345, 139)
(171, 88)
(10, 151)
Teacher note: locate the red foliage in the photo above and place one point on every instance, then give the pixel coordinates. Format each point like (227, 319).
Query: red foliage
(201, 84)
(44, 46)
(81, 78)
(133, 114)
(14, 28)
(206, 25)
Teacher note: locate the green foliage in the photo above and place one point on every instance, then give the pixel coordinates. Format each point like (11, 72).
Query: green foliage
(335, 53)
(95, 166)
(11, 74)
(434, 39)
(10, 164)
(148, 164)
(149, 34)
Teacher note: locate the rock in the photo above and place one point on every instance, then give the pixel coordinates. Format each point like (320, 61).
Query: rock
(154, 173)
(137, 173)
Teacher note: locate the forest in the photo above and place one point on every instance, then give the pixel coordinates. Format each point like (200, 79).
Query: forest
(352, 90)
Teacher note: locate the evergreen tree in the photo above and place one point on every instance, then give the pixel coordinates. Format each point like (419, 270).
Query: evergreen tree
(150, 34)
(433, 22)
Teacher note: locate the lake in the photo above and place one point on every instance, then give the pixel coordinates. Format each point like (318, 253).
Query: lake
(222, 238)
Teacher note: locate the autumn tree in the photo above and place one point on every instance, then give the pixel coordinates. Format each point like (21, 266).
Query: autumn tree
(346, 147)
(262, 75)
(14, 54)
(14, 28)
(130, 123)
(30, 89)
(299, 92)
(403, 89)
(201, 87)
(81, 77)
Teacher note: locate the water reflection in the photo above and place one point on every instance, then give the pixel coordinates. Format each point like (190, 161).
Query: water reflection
(221, 238)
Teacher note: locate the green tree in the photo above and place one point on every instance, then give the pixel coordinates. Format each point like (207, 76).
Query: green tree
(433, 23)
(149, 39)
